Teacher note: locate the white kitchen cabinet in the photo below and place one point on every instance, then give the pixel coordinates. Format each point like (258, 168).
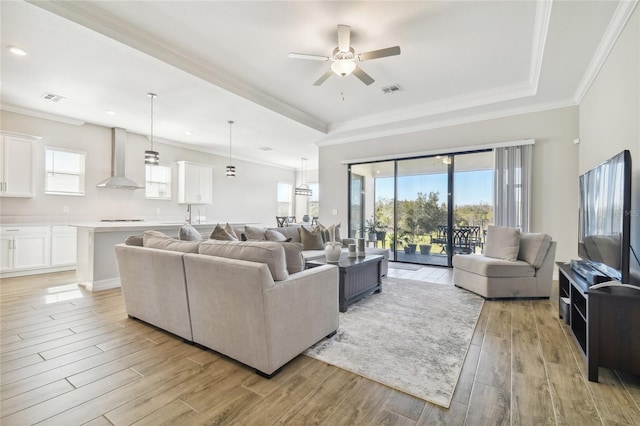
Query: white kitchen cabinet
(194, 183)
(16, 166)
(63, 245)
(25, 247)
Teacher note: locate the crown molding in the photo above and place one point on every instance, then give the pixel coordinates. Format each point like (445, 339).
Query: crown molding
(616, 25)
(373, 134)
(540, 31)
(498, 94)
(91, 16)
(40, 114)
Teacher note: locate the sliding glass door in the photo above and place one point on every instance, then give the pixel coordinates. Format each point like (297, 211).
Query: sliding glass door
(424, 210)
(422, 218)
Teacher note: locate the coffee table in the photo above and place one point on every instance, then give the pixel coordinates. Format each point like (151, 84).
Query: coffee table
(358, 277)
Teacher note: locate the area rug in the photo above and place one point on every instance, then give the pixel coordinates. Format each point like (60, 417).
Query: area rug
(405, 266)
(413, 337)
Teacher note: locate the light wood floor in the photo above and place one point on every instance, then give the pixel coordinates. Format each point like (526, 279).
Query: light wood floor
(70, 357)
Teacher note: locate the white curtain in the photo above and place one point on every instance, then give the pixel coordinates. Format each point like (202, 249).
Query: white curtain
(512, 186)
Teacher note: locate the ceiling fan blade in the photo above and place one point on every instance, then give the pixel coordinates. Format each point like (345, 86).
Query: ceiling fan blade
(375, 54)
(363, 76)
(323, 77)
(305, 56)
(344, 37)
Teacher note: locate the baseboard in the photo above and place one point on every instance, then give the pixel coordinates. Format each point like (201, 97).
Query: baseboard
(102, 284)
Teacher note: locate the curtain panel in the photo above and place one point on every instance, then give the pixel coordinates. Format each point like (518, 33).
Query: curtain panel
(512, 186)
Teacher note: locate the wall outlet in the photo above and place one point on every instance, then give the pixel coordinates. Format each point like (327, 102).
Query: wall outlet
(157, 211)
(334, 212)
(65, 209)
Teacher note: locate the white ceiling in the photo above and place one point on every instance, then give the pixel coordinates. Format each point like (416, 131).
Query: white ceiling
(214, 61)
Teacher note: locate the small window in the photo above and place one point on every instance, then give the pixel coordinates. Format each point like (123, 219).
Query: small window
(284, 199)
(158, 182)
(64, 172)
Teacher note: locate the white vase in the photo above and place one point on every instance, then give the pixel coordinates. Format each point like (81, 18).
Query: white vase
(332, 252)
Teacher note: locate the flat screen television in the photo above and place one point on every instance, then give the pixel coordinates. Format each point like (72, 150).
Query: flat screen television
(604, 231)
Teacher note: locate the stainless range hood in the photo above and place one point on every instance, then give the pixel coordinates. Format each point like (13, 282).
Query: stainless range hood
(118, 155)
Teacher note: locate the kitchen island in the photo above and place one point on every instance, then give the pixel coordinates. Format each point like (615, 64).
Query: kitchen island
(96, 267)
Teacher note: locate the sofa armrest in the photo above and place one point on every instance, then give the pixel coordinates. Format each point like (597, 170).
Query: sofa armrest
(300, 311)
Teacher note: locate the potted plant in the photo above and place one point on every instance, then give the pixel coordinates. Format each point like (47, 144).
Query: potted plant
(373, 227)
(409, 240)
(425, 248)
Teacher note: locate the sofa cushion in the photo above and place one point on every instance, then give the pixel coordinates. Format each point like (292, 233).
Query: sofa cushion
(492, 267)
(270, 253)
(189, 233)
(158, 240)
(292, 232)
(276, 236)
(533, 248)
(502, 243)
(219, 233)
(311, 240)
(254, 233)
(134, 240)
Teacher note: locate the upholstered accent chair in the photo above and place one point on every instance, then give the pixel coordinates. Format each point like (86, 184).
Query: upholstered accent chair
(513, 265)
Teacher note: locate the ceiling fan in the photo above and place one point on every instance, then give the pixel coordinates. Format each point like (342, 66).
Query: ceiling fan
(344, 59)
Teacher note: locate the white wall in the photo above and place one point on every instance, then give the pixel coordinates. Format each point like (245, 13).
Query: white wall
(610, 115)
(555, 166)
(249, 197)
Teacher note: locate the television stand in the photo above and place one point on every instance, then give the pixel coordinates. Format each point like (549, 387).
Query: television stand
(605, 322)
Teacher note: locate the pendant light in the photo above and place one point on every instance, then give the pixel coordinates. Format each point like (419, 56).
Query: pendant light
(303, 189)
(151, 157)
(231, 170)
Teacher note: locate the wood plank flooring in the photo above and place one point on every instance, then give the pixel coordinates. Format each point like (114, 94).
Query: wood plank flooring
(71, 357)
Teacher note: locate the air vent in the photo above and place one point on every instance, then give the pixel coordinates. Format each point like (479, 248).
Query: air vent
(52, 97)
(387, 90)
(265, 148)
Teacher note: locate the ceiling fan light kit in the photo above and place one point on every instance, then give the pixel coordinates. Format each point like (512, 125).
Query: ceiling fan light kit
(344, 59)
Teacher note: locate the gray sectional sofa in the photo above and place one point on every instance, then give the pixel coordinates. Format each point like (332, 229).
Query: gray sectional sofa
(237, 298)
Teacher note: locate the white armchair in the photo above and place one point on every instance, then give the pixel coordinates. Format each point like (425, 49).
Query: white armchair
(514, 265)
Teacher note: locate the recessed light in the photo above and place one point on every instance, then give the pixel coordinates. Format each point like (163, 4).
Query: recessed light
(188, 132)
(109, 112)
(17, 51)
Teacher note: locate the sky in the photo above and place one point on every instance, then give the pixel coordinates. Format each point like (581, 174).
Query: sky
(471, 187)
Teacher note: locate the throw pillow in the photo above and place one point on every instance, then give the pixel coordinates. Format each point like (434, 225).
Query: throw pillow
(293, 257)
(158, 240)
(311, 240)
(230, 230)
(254, 233)
(331, 231)
(134, 240)
(189, 233)
(502, 243)
(272, 235)
(219, 233)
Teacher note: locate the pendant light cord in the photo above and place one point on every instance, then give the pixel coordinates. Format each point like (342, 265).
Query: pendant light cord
(152, 95)
(230, 125)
